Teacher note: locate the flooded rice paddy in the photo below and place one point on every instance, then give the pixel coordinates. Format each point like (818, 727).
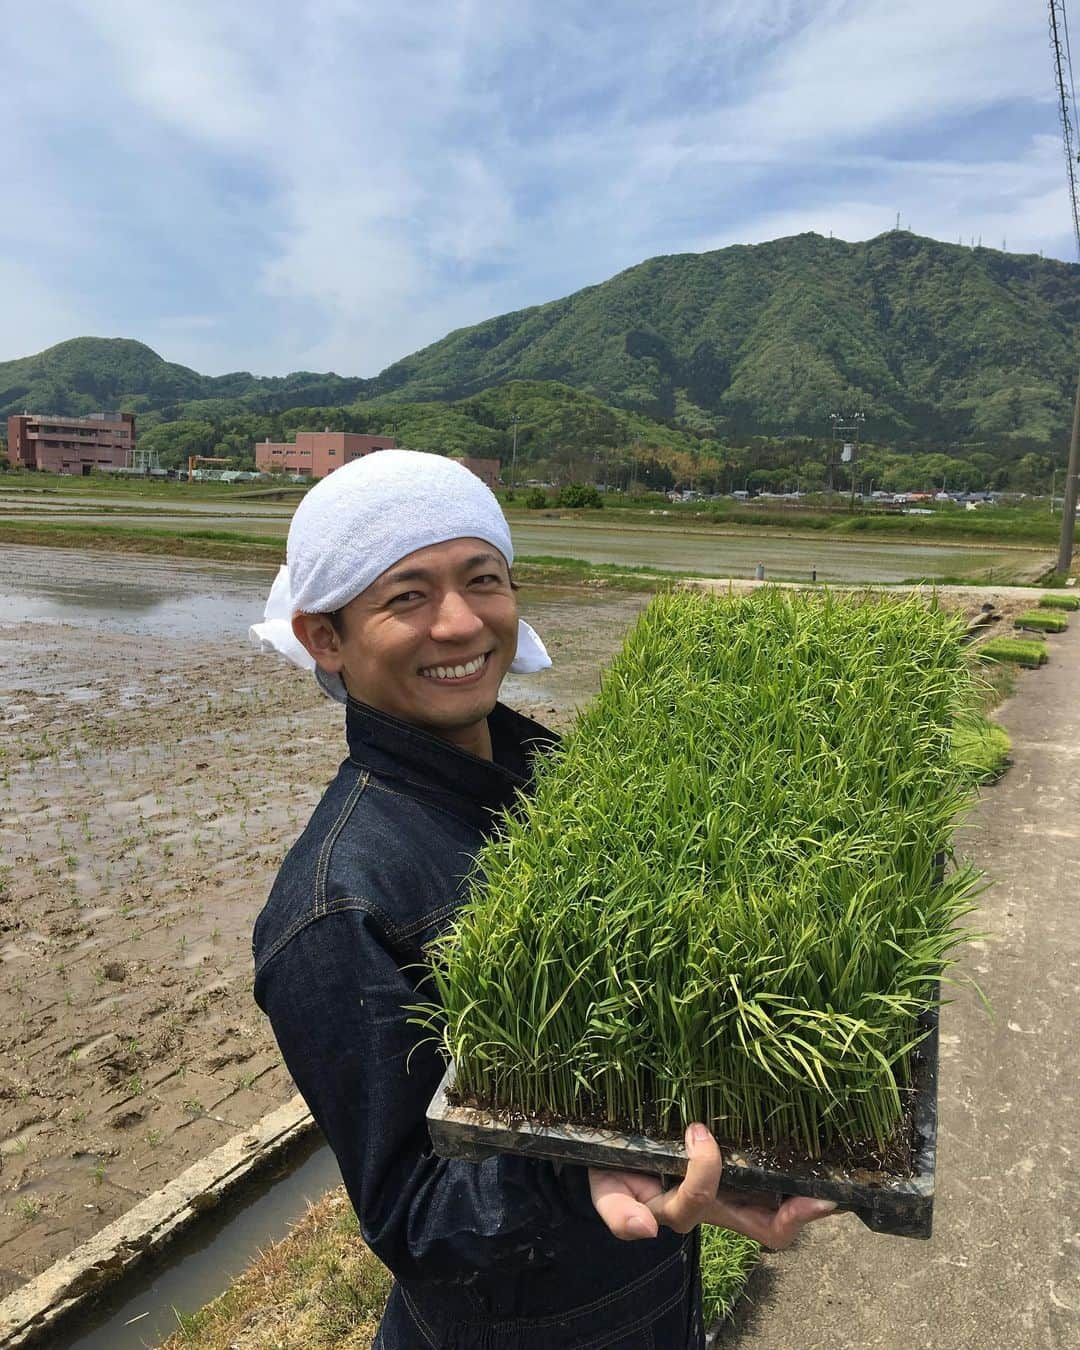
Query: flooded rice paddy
(710, 551)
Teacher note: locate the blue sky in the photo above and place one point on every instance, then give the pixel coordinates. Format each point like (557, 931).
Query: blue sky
(331, 184)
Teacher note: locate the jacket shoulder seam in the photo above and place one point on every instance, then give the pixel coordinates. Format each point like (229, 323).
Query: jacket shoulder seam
(345, 904)
(331, 839)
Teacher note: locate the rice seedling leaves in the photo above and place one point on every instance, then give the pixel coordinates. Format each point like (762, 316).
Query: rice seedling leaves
(726, 899)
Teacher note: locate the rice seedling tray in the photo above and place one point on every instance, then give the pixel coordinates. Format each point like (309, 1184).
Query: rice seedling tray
(901, 1206)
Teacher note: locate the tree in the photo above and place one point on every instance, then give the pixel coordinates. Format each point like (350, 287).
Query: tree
(535, 499)
(579, 494)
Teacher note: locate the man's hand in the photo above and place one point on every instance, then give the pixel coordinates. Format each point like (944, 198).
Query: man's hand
(634, 1205)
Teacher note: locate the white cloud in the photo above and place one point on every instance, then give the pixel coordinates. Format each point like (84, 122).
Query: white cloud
(341, 181)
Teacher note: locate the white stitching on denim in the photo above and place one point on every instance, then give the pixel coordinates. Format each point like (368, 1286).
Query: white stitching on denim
(421, 1325)
(644, 1324)
(340, 906)
(410, 797)
(331, 840)
(418, 925)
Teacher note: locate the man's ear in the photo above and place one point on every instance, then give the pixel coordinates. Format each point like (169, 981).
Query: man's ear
(320, 639)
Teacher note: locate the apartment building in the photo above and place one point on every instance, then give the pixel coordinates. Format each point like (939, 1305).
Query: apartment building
(317, 453)
(74, 445)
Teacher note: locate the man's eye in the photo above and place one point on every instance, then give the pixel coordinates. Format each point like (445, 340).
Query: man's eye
(404, 598)
(487, 578)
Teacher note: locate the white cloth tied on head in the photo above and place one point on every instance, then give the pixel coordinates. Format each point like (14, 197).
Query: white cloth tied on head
(363, 518)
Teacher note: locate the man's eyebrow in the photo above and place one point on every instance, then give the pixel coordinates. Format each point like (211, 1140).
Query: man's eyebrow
(423, 574)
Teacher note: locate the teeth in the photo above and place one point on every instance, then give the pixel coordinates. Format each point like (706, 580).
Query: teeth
(454, 672)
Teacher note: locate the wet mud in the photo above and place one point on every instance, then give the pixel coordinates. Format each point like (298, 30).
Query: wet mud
(150, 784)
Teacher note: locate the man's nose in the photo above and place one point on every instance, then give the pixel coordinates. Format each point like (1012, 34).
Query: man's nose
(455, 619)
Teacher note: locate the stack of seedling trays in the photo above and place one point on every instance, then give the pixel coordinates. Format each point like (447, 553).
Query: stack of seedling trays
(726, 902)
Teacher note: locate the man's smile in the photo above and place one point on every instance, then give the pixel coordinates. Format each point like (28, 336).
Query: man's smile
(465, 670)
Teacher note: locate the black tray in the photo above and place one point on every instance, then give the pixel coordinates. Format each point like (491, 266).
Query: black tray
(901, 1206)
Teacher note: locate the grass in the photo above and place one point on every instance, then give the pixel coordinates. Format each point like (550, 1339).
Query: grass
(1019, 651)
(722, 903)
(727, 1260)
(1056, 601)
(1042, 620)
(321, 1288)
(226, 546)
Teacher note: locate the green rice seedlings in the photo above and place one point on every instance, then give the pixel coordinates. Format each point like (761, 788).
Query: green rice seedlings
(725, 900)
(1057, 600)
(1021, 651)
(1041, 620)
(727, 1260)
(982, 747)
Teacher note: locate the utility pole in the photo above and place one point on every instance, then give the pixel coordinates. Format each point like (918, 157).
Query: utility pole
(1068, 511)
(1068, 501)
(513, 460)
(846, 428)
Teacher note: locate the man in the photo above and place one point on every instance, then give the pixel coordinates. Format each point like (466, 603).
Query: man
(398, 594)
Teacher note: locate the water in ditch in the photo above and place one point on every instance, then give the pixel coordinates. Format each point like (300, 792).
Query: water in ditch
(202, 1261)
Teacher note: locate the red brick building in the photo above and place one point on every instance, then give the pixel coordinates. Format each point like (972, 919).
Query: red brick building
(317, 453)
(76, 445)
(487, 470)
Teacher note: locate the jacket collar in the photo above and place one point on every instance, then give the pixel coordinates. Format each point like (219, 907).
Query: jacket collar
(434, 770)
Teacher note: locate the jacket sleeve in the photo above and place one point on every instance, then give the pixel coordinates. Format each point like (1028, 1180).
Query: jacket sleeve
(337, 998)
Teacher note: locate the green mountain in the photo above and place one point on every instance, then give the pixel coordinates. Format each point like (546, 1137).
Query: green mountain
(933, 342)
(936, 343)
(87, 374)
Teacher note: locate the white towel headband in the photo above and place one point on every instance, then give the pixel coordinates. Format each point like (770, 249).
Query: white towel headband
(363, 518)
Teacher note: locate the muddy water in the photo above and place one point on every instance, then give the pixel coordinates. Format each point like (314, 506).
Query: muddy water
(170, 597)
(203, 1260)
(791, 557)
(207, 602)
(668, 547)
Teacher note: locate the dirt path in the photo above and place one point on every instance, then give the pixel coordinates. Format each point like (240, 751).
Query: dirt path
(149, 788)
(1002, 1271)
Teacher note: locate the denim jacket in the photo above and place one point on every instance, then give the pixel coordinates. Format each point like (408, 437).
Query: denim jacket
(506, 1254)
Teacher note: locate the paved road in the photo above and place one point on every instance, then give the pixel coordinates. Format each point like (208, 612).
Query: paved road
(1002, 1271)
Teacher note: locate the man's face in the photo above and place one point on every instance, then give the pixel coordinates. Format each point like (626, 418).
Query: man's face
(431, 639)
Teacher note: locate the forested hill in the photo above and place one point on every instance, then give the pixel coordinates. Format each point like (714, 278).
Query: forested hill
(934, 342)
(88, 374)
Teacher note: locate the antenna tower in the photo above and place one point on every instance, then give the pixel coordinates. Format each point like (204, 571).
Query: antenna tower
(1062, 55)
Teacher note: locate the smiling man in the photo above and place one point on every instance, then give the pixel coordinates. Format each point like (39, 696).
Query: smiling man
(398, 595)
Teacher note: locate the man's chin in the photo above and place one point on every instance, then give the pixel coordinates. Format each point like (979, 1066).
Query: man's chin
(458, 718)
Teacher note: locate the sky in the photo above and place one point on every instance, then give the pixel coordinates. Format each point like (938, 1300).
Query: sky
(278, 185)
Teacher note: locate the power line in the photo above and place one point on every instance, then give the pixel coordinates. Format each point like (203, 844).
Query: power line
(1072, 473)
(1060, 60)
(1068, 59)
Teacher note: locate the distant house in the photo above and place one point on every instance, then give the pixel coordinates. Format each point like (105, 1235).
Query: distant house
(74, 445)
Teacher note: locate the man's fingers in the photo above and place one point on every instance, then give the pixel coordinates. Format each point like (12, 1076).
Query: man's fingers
(775, 1228)
(687, 1204)
(794, 1214)
(624, 1216)
(619, 1199)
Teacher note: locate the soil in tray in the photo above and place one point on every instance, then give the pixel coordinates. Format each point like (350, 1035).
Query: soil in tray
(869, 1162)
